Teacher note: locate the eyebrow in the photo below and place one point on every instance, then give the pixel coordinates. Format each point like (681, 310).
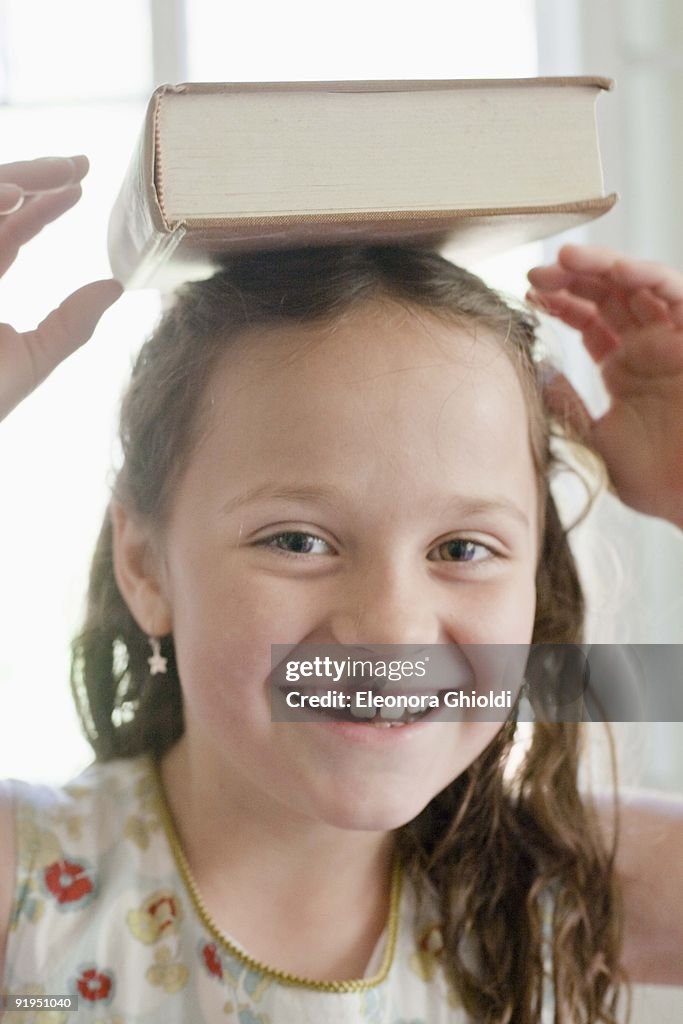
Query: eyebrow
(331, 495)
(326, 495)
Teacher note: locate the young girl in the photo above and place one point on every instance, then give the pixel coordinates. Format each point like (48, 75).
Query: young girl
(342, 446)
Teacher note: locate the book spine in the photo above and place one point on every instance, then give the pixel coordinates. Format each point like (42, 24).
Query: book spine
(139, 235)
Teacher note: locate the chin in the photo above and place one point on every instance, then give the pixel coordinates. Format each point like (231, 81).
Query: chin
(375, 812)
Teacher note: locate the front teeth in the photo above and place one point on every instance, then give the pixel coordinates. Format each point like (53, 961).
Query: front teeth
(386, 712)
(387, 717)
(359, 712)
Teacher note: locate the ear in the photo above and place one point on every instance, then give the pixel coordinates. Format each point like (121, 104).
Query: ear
(138, 572)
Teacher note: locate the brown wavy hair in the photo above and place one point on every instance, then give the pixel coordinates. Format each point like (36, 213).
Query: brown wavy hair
(516, 858)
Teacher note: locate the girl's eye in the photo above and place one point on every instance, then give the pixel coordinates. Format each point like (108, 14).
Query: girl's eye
(294, 542)
(462, 550)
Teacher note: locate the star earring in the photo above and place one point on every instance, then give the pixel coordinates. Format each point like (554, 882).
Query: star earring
(157, 664)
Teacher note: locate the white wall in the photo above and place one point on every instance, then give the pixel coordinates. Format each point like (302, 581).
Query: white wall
(634, 563)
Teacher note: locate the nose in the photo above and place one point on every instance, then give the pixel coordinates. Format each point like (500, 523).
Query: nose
(381, 603)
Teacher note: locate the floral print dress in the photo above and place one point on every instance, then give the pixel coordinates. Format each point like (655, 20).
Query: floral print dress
(105, 908)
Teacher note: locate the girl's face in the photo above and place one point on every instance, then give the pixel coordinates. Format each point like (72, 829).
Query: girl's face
(334, 466)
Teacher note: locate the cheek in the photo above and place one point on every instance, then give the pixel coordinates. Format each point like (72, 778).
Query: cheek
(219, 661)
(232, 605)
(517, 621)
(223, 632)
(502, 613)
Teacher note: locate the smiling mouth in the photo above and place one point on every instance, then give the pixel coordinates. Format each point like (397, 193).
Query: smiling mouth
(381, 717)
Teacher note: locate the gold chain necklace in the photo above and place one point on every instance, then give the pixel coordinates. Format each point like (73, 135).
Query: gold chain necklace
(284, 977)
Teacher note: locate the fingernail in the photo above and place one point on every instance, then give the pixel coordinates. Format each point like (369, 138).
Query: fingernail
(81, 165)
(56, 164)
(54, 161)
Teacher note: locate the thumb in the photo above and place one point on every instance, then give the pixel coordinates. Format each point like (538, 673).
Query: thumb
(27, 359)
(70, 325)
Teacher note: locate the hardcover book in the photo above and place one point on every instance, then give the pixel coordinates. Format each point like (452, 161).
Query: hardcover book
(474, 166)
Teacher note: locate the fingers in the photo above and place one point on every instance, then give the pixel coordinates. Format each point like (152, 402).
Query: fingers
(599, 339)
(575, 261)
(33, 193)
(583, 266)
(70, 325)
(45, 174)
(606, 300)
(620, 310)
(11, 198)
(647, 308)
(665, 283)
(26, 359)
(35, 212)
(588, 259)
(557, 278)
(626, 293)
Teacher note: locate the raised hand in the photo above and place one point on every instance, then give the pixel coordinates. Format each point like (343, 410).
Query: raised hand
(630, 314)
(33, 193)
